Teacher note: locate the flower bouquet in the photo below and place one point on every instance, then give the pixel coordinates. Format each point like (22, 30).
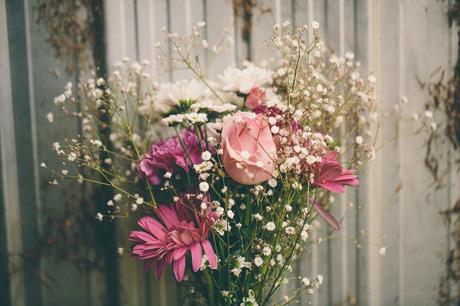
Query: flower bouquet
(224, 177)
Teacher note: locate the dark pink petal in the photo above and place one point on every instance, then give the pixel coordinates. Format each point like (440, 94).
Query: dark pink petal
(169, 258)
(179, 268)
(139, 250)
(152, 226)
(212, 258)
(327, 216)
(154, 179)
(186, 237)
(158, 269)
(333, 187)
(168, 215)
(149, 264)
(180, 252)
(348, 178)
(140, 236)
(184, 211)
(329, 171)
(197, 256)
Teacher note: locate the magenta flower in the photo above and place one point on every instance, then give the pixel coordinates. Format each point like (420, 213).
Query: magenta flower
(169, 156)
(332, 176)
(167, 239)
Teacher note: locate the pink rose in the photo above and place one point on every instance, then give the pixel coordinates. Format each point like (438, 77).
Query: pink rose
(255, 98)
(249, 151)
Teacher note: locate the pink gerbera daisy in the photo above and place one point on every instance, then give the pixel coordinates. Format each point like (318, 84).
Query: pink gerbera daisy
(167, 239)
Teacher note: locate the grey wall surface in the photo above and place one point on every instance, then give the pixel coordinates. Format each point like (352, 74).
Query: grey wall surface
(396, 206)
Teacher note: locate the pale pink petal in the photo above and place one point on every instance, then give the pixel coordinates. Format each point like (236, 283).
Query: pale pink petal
(158, 269)
(168, 215)
(327, 216)
(139, 236)
(186, 237)
(179, 252)
(197, 255)
(330, 171)
(149, 264)
(179, 268)
(212, 258)
(152, 226)
(333, 187)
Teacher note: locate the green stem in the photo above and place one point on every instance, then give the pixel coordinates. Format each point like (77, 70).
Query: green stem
(211, 292)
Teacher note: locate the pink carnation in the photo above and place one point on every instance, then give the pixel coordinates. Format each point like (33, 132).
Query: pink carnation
(167, 239)
(169, 156)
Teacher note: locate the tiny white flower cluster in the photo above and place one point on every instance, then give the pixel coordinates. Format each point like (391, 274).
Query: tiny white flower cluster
(212, 106)
(240, 264)
(192, 118)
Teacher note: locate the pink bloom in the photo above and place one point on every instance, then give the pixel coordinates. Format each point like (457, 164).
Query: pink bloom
(249, 151)
(255, 98)
(332, 176)
(167, 239)
(169, 156)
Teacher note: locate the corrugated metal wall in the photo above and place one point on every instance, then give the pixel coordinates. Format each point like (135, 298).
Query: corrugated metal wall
(396, 206)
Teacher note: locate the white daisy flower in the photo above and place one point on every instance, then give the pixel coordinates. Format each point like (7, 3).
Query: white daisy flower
(170, 95)
(243, 80)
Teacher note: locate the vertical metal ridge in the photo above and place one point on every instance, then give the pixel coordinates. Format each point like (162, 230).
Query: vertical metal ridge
(122, 27)
(206, 35)
(33, 130)
(293, 16)
(234, 29)
(314, 247)
(10, 193)
(136, 29)
(375, 189)
(21, 125)
(188, 17)
(314, 252)
(278, 14)
(152, 38)
(451, 59)
(168, 29)
(310, 11)
(357, 270)
(343, 198)
(400, 145)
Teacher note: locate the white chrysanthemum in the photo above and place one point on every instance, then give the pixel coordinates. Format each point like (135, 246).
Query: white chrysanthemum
(243, 80)
(170, 94)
